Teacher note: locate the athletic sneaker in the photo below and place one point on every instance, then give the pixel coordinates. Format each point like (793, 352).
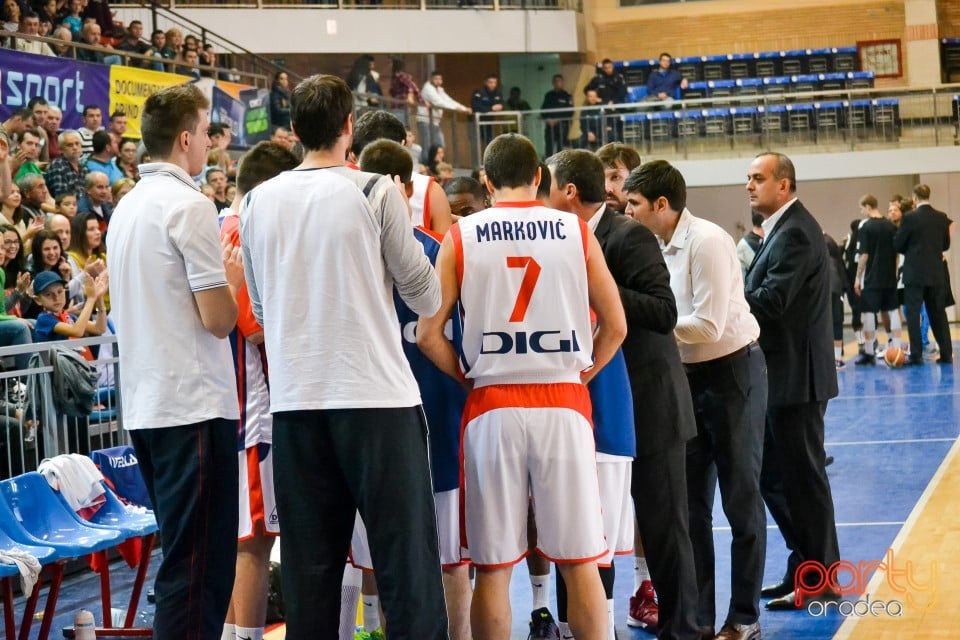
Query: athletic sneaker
(864, 359)
(931, 351)
(542, 626)
(644, 611)
(841, 364)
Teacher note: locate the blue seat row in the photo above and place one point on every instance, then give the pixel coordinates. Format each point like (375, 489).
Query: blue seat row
(780, 84)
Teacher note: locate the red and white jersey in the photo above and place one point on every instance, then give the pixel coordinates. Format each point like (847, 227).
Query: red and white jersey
(420, 200)
(523, 287)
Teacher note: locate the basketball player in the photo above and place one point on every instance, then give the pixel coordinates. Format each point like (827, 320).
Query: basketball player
(527, 277)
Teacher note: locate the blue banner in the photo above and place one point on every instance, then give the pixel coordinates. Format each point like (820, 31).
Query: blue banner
(247, 117)
(63, 82)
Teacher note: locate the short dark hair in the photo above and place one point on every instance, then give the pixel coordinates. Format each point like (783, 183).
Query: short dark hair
(658, 179)
(34, 101)
(756, 218)
(24, 113)
(100, 141)
(90, 107)
(206, 177)
(388, 158)
(557, 75)
(217, 129)
(321, 105)
(376, 125)
(665, 54)
(868, 201)
(510, 161)
(264, 161)
(133, 22)
(783, 169)
(168, 113)
(583, 170)
(606, 61)
(490, 76)
(922, 192)
(465, 184)
(116, 113)
(543, 189)
(613, 152)
(158, 31)
(435, 73)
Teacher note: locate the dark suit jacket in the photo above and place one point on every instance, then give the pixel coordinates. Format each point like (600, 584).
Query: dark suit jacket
(663, 409)
(922, 238)
(788, 289)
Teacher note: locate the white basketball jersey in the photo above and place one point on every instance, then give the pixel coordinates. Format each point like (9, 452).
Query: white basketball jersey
(523, 287)
(420, 200)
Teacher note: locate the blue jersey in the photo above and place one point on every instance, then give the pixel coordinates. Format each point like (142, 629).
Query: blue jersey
(612, 402)
(443, 397)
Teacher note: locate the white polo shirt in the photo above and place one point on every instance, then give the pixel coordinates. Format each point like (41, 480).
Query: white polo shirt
(164, 245)
(713, 317)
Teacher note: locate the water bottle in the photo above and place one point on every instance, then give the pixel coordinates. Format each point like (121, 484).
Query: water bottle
(84, 627)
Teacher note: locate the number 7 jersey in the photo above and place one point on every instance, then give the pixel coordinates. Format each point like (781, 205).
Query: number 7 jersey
(523, 289)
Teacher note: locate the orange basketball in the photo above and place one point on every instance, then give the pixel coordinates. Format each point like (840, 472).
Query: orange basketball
(894, 357)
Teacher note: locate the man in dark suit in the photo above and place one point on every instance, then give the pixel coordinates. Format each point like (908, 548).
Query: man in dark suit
(923, 236)
(663, 411)
(788, 290)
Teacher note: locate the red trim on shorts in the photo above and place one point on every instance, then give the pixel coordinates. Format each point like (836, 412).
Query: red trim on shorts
(452, 565)
(255, 489)
(518, 205)
(426, 203)
(573, 560)
(457, 240)
(585, 236)
(502, 565)
(557, 395)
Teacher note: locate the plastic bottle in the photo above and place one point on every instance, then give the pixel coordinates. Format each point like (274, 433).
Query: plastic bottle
(84, 627)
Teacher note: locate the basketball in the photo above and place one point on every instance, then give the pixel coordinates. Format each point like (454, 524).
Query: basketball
(894, 357)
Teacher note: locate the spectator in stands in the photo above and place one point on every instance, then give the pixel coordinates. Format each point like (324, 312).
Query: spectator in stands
(664, 82)
(66, 173)
(190, 61)
(55, 323)
(120, 188)
(282, 137)
(434, 157)
(134, 43)
(191, 43)
(10, 207)
(36, 200)
(73, 20)
(99, 10)
(30, 26)
(13, 127)
(515, 102)
(13, 331)
(609, 84)
(126, 160)
(118, 124)
(27, 155)
(173, 45)
(90, 34)
(414, 149)
(404, 91)
(104, 152)
(158, 41)
(465, 196)
(487, 99)
(556, 125)
(48, 255)
(51, 127)
(48, 10)
(430, 116)
(13, 255)
(63, 36)
(208, 57)
(97, 198)
(41, 109)
(280, 100)
(86, 250)
(92, 122)
(10, 15)
(750, 243)
(591, 121)
(217, 179)
(364, 82)
(66, 206)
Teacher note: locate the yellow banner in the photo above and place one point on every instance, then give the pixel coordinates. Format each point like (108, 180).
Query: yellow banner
(232, 88)
(130, 88)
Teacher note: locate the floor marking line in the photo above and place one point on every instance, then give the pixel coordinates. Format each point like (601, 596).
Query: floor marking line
(846, 629)
(931, 394)
(853, 443)
(773, 527)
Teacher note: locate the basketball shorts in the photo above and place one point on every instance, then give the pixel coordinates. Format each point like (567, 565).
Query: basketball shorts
(614, 474)
(258, 503)
(448, 529)
(877, 300)
(523, 442)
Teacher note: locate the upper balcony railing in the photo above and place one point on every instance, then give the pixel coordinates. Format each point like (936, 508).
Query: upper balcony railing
(421, 5)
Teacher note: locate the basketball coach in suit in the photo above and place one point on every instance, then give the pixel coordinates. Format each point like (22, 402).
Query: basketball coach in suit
(788, 290)
(922, 238)
(663, 417)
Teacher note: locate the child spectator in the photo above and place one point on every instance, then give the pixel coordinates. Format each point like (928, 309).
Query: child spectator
(67, 204)
(72, 20)
(54, 323)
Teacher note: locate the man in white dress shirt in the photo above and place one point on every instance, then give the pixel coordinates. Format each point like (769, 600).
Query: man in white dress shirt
(430, 116)
(727, 373)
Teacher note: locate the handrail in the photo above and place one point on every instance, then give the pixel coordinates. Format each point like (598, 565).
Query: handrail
(257, 79)
(411, 5)
(264, 64)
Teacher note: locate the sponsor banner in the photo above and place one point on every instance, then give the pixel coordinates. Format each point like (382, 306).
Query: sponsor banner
(63, 82)
(247, 116)
(130, 88)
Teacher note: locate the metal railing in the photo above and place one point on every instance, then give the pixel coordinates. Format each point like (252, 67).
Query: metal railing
(728, 126)
(420, 5)
(33, 428)
(130, 59)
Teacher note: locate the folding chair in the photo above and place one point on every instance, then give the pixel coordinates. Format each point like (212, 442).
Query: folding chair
(47, 556)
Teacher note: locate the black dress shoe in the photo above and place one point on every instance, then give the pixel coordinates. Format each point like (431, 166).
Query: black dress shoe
(826, 462)
(944, 360)
(913, 362)
(777, 590)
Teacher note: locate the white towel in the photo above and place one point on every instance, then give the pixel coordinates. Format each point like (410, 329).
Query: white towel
(28, 565)
(75, 477)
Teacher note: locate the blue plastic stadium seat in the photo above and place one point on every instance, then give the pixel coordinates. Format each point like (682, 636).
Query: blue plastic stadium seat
(636, 94)
(115, 515)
